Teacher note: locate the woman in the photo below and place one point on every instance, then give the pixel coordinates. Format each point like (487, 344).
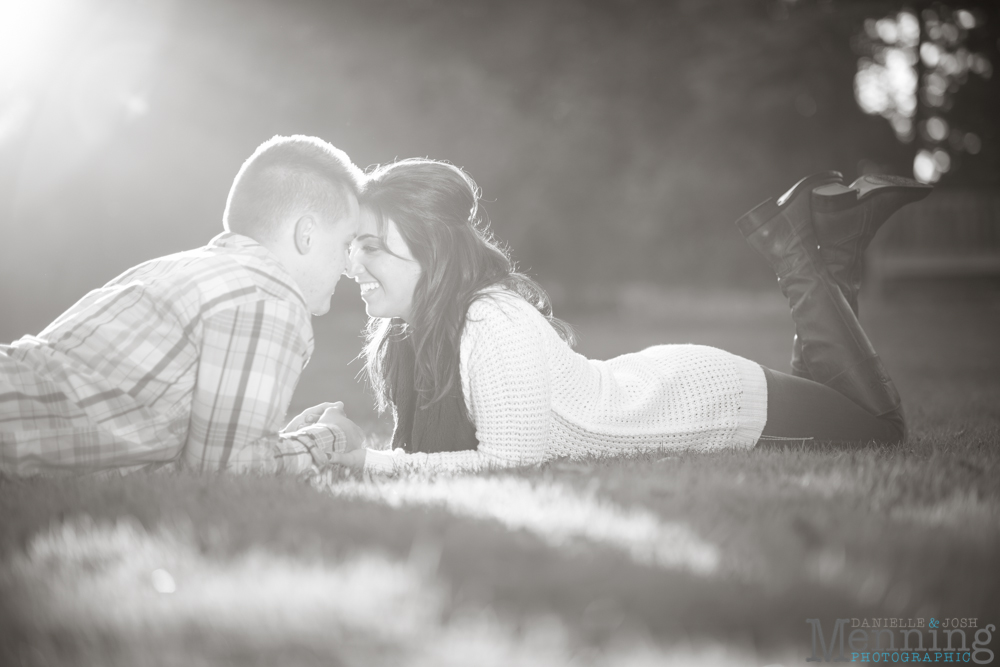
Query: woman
(478, 373)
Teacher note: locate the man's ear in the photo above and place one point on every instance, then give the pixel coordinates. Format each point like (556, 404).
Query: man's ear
(305, 229)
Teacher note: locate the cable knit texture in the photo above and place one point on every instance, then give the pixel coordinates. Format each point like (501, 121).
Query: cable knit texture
(532, 398)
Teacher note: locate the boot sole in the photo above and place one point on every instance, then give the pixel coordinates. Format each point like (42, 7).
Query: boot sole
(836, 197)
(767, 210)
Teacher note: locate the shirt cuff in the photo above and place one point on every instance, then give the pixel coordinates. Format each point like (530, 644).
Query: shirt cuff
(382, 462)
(328, 436)
(315, 442)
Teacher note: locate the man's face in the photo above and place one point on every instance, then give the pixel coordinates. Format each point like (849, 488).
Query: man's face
(330, 241)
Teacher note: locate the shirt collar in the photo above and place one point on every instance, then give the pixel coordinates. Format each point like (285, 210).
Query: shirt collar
(234, 240)
(250, 246)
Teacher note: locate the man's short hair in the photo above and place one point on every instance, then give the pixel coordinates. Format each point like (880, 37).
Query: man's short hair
(286, 176)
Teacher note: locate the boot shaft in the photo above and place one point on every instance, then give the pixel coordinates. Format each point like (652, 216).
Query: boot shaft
(834, 347)
(847, 218)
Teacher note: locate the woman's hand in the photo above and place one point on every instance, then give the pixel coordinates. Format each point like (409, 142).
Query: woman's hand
(354, 459)
(311, 416)
(335, 416)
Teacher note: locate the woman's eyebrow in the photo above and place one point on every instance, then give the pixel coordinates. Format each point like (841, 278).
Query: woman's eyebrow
(361, 237)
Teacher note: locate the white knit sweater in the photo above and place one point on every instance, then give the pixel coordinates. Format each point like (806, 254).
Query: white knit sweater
(532, 398)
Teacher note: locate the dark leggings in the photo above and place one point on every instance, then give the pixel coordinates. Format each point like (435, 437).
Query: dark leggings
(800, 409)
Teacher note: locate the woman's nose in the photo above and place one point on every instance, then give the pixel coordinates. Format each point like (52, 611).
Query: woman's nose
(352, 269)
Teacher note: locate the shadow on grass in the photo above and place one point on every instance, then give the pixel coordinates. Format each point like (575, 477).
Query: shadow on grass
(823, 564)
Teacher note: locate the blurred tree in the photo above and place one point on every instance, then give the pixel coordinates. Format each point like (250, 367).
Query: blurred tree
(926, 68)
(614, 140)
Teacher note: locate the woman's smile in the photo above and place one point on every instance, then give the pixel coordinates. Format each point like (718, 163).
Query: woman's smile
(384, 268)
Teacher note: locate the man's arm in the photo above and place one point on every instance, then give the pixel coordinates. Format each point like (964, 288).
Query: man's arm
(250, 361)
(43, 429)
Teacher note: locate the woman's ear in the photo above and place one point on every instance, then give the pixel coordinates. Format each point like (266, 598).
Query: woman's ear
(305, 228)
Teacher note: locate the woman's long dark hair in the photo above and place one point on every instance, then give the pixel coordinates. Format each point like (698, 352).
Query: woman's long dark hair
(435, 207)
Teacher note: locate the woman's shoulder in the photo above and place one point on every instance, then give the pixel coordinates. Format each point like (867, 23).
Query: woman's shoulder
(497, 304)
(504, 334)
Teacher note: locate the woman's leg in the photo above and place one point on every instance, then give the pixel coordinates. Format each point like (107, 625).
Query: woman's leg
(846, 219)
(835, 349)
(798, 408)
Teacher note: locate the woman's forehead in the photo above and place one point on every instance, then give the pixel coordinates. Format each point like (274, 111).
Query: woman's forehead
(395, 242)
(392, 239)
(368, 223)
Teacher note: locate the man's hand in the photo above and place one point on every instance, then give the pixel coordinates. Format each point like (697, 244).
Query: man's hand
(335, 416)
(311, 416)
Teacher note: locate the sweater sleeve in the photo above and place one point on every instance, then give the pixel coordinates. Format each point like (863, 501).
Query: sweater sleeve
(506, 386)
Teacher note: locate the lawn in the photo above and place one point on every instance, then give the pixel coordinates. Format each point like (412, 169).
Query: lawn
(678, 558)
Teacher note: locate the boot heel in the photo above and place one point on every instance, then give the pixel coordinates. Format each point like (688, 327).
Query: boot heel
(766, 211)
(833, 197)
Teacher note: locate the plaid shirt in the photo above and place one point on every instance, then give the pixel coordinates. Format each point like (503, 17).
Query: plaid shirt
(190, 358)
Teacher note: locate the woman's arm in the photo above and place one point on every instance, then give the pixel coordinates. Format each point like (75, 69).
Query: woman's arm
(506, 385)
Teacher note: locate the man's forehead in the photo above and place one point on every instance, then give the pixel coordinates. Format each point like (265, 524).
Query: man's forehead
(353, 208)
(352, 218)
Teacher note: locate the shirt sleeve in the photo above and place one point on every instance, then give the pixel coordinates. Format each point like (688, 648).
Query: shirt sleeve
(44, 429)
(250, 361)
(507, 389)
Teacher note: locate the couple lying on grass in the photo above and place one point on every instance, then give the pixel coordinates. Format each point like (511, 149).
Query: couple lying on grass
(192, 358)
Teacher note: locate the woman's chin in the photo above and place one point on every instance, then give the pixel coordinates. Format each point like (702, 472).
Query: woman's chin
(374, 310)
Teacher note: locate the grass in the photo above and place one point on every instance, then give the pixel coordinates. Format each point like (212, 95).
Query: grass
(682, 558)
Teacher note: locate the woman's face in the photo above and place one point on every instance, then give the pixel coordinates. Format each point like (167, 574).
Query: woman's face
(386, 271)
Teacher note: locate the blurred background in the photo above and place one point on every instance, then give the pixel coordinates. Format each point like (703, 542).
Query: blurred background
(615, 141)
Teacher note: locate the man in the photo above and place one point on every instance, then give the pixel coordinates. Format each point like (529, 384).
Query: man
(192, 358)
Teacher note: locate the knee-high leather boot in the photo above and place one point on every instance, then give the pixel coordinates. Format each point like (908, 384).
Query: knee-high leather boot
(846, 219)
(835, 349)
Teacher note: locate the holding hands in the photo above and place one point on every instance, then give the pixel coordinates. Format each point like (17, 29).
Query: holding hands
(310, 416)
(353, 453)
